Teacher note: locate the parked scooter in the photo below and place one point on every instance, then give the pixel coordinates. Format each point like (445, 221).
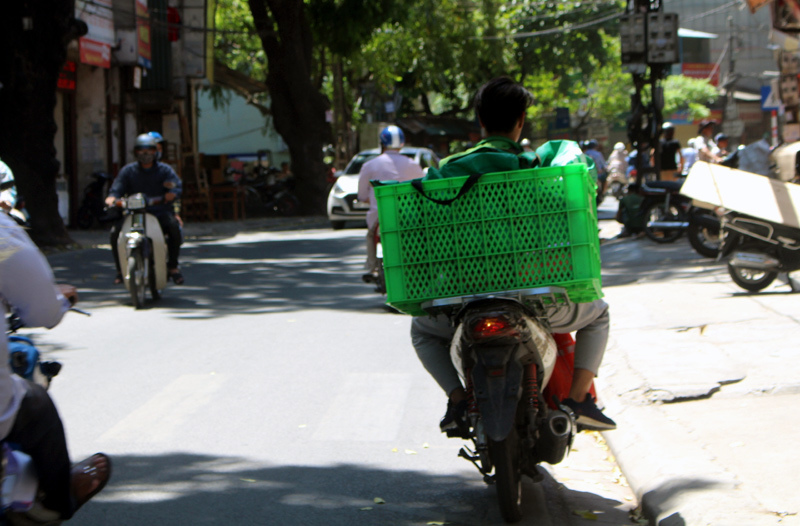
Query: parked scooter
(758, 250)
(93, 207)
(617, 182)
(668, 214)
(142, 250)
(506, 355)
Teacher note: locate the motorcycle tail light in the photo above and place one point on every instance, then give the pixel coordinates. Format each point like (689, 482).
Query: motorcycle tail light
(493, 327)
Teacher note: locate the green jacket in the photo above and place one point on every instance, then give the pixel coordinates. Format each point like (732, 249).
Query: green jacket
(499, 154)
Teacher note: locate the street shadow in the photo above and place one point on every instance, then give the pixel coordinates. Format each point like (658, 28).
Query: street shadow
(660, 500)
(198, 489)
(241, 275)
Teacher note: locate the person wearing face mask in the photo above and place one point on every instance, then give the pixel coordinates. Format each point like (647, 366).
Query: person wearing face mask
(154, 179)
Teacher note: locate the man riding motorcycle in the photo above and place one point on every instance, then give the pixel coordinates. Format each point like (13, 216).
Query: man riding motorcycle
(28, 417)
(153, 179)
(389, 166)
(501, 105)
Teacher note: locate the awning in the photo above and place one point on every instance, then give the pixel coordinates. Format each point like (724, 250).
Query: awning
(691, 33)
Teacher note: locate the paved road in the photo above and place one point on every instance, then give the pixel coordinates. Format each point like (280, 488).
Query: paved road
(275, 388)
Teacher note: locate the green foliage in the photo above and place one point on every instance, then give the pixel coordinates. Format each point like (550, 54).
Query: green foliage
(236, 43)
(684, 93)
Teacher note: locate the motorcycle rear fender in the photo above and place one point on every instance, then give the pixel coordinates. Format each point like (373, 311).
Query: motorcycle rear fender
(705, 219)
(158, 246)
(497, 394)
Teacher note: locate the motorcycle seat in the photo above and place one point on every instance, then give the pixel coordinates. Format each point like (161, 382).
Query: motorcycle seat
(672, 187)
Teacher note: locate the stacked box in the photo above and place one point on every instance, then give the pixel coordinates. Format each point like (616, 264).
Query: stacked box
(511, 231)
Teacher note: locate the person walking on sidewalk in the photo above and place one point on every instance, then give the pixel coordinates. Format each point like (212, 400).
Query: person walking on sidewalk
(390, 165)
(501, 105)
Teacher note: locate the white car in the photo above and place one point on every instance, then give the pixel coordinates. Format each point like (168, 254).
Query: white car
(343, 203)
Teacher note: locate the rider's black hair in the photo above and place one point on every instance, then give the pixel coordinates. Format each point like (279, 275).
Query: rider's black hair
(500, 103)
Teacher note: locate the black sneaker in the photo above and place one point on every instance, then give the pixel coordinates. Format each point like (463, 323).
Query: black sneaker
(454, 423)
(588, 416)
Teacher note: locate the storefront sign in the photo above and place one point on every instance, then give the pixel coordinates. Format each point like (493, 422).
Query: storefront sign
(143, 34)
(701, 70)
(95, 47)
(68, 76)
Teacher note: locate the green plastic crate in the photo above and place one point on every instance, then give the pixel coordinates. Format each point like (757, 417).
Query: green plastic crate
(511, 231)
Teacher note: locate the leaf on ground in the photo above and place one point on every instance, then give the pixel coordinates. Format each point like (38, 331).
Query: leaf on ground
(368, 508)
(378, 500)
(410, 452)
(425, 445)
(586, 514)
(436, 523)
(394, 450)
(248, 480)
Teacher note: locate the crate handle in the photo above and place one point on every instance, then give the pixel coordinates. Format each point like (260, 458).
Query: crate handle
(469, 183)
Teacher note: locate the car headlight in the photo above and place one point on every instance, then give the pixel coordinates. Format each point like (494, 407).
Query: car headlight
(338, 191)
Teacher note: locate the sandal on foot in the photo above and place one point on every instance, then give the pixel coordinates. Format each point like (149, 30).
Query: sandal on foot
(87, 480)
(118, 280)
(177, 277)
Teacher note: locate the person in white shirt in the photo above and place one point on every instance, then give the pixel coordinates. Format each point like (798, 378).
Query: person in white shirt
(28, 417)
(390, 165)
(8, 196)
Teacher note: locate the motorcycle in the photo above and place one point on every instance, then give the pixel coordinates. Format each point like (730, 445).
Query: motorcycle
(142, 250)
(668, 214)
(506, 357)
(19, 478)
(379, 278)
(758, 250)
(617, 182)
(92, 206)
(264, 193)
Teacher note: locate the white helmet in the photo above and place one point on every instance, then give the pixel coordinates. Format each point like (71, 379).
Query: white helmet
(619, 146)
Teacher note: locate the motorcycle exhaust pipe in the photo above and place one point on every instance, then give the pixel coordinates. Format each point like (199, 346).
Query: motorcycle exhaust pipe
(754, 260)
(668, 224)
(555, 436)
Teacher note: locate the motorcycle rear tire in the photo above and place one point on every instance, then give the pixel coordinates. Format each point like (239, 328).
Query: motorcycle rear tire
(705, 242)
(742, 277)
(658, 212)
(508, 476)
(136, 284)
(84, 218)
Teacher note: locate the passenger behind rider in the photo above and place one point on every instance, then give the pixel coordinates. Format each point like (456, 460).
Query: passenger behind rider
(501, 105)
(390, 165)
(161, 143)
(28, 417)
(154, 179)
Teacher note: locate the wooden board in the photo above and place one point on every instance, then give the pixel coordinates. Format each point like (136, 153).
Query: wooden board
(744, 192)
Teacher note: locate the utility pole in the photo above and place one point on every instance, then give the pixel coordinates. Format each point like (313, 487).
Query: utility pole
(649, 39)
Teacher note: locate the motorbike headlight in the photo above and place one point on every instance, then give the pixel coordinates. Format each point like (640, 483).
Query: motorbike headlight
(137, 202)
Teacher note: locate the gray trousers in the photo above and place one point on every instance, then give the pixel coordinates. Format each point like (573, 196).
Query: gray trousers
(431, 337)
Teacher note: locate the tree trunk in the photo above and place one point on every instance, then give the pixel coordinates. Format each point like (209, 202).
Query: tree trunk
(298, 108)
(34, 35)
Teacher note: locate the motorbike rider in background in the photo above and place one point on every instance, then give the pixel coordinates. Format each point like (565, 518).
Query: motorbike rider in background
(390, 165)
(501, 106)
(8, 197)
(671, 156)
(721, 150)
(160, 143)
(592, 149)
(704, 142)
(28, 417)
(153, 179)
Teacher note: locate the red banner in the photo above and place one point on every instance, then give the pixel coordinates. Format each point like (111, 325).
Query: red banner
(143, 33)
(67, 79)
(700, 70)
(95, 53)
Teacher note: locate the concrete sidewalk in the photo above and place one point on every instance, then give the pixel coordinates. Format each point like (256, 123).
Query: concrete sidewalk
(703, 380)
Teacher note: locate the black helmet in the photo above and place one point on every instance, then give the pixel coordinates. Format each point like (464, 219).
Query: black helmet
(720, 137)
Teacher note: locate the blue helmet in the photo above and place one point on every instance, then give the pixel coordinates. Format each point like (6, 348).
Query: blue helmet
(157, 136)
(392, 137)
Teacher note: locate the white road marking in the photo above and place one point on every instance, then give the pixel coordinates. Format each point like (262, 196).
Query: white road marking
(164, 416)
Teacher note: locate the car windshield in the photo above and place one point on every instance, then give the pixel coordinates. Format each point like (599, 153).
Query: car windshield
(358, 161)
